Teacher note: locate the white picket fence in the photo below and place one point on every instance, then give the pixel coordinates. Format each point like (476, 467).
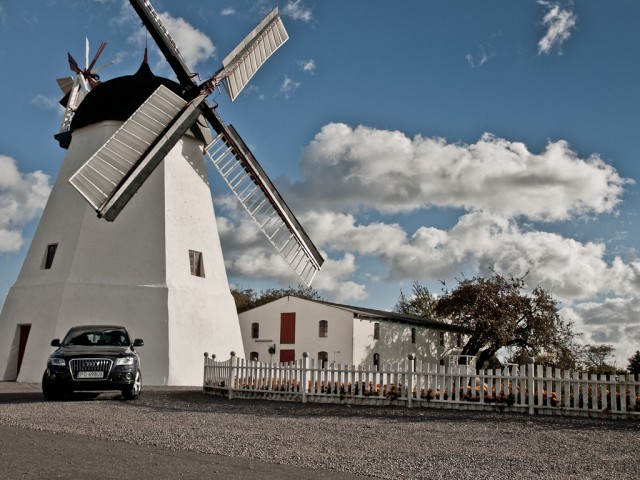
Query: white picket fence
(532, 389)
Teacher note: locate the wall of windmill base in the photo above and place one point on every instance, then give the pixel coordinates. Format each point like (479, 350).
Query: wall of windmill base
(175, 335)
(200, 323)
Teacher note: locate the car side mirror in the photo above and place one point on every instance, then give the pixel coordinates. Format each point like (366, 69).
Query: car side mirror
(138, 342)
(55, 342)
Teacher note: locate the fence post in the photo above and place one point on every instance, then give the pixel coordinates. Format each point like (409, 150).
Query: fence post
(305, 356)
(233, 361)
(411, 358)
(530, 387)
(206, 370)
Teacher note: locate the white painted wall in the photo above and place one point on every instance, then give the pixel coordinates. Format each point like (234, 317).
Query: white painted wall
(350, 340)
(394, 344)
(133, 271)
(338, 343)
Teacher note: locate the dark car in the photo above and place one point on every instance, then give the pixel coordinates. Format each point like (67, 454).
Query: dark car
(93, 358)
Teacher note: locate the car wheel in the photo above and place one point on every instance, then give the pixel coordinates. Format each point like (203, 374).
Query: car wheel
(51, 392)
(132, 392)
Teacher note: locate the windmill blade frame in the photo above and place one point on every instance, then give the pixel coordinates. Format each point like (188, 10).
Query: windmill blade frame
(110, 178)
(108, 185)
(244, 61)
(166, 44)
(260, 198)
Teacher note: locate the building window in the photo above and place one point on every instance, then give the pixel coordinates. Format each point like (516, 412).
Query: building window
(459, 340)
(376, 331)
(442, 339)
(323, 327)
(253, 356)
(255, 330)
(413, 335)
(376, 359)
(323, 359)
(196, 263)
(51, 252)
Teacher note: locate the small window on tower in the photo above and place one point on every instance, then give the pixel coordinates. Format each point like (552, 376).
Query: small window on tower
(255, 330)
(413, 335)
(51, 252)
(197, 265)
(376, 331)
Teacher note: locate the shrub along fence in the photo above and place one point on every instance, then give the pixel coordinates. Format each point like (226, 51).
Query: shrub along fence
(532, 389)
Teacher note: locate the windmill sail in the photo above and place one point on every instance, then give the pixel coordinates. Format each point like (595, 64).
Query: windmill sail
(166, 44)
(237, 165)
(260, 198)
(245, 60)
(114, 173)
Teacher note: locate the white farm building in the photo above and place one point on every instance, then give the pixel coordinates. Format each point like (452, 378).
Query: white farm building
(282, 330)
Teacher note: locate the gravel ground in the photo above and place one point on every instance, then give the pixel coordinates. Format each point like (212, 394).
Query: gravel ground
(381, 442)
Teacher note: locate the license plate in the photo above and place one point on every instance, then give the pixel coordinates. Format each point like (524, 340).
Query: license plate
(90, 374)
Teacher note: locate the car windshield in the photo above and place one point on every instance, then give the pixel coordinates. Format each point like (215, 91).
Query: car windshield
(97, 337)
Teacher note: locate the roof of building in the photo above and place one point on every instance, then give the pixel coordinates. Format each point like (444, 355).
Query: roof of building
(372, 314)
(117, 99)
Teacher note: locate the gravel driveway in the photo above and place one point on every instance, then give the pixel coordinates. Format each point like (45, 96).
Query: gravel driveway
(381, 442)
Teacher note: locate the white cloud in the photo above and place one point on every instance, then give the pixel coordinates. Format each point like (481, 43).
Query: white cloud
(477, 61)
(559, 23)
(613, 320)
(288, 87)
(194, 45)
(247, 253)
(127, 15)
(228, 11)
(22, 198)
(479, 242)
(48, 103)
(353, 168)
(351, 173)
(307, 66)
(297, 11)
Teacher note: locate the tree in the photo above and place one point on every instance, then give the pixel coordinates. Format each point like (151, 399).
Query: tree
(594, 358)
(634, 363)
(249, 298)
(498, 313)
(421, 303)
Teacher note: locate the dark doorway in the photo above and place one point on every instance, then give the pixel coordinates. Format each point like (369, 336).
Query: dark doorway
(24, 335)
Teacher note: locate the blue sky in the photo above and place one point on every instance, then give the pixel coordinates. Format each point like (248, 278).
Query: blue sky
(422, 142)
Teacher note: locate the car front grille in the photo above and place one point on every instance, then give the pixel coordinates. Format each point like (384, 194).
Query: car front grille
(89, 368)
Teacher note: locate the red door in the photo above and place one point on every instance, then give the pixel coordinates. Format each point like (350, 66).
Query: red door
(287, 356)
(288, 327)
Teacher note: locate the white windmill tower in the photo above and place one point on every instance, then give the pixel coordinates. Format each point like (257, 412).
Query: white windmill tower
(156, 265)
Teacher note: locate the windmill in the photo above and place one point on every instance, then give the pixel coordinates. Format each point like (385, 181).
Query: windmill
(151, 258)
(111, 177)
(76, 88)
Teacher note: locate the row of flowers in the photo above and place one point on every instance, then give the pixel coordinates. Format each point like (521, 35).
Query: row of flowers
(502, 394)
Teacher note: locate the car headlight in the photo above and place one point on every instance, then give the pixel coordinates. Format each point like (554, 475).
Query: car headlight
(57, 361)
(124, 361)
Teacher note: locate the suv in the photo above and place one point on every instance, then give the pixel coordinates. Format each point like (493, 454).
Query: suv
(95, 358)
